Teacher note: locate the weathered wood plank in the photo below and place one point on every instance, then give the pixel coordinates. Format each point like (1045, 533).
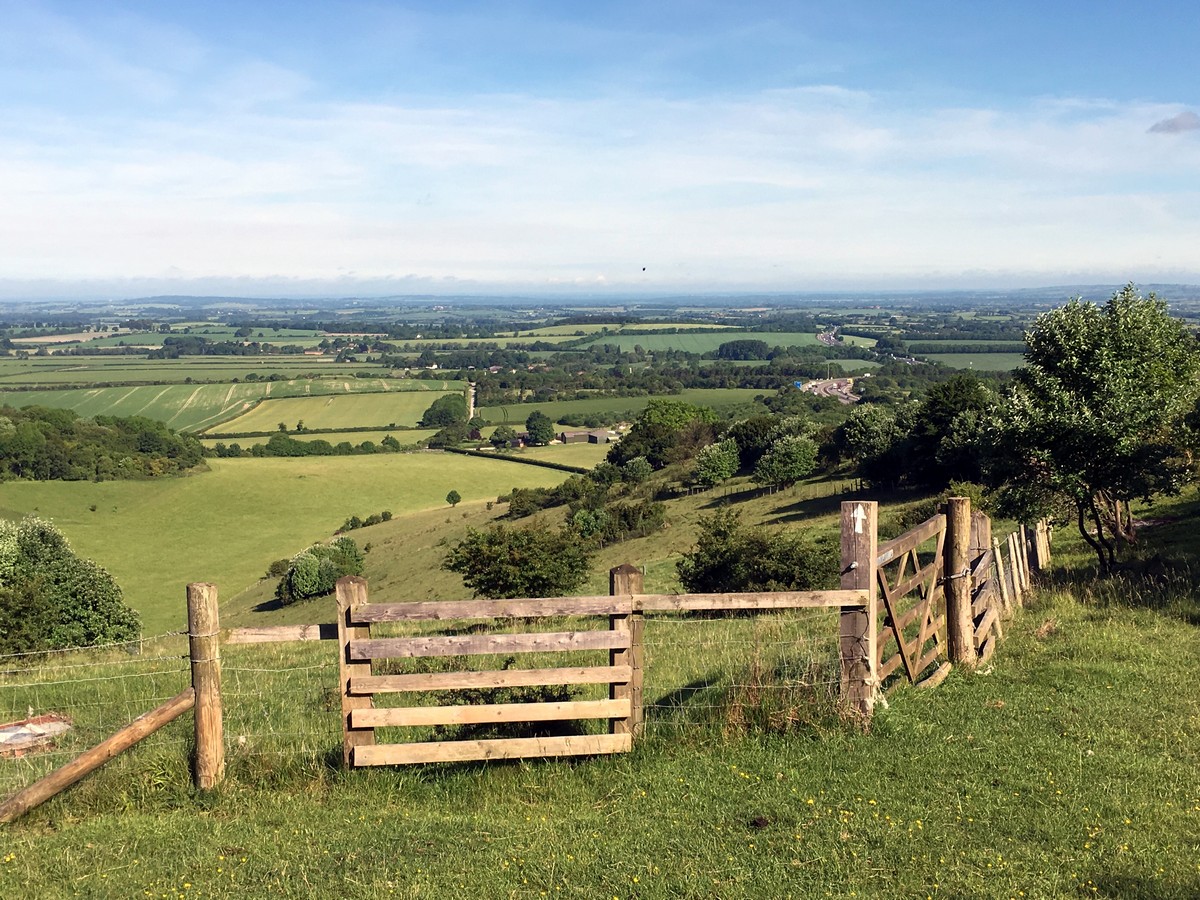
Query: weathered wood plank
(938, 676)
(485, 714)
(910, 539)
(426, 611)
(351, 593)
(919, 579)
(503, 748)
(890, 665)
(446, 681)
(928, 659)
(750, 601)
(985, 626)
(271, 634)
(475, 644)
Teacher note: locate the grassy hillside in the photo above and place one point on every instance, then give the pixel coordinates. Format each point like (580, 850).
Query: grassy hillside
(228, 524)
(1068, 767)
(335, 411)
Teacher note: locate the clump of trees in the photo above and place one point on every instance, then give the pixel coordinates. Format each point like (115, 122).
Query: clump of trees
(51, 599)
(448, 410)
(1104, 412)
(504, 562)
(314, 572)
(56, 444)
(730, 556)
(374, 519)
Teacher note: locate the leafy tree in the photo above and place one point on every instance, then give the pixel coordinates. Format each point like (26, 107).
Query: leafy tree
(753, 436)
(731, 557)
(519, 562)
(314, 572)
(636, 470)
(448, 410)
(743, 349)
(453, 498)
(716, 462)
(52, 599)
(1098, 416)
(667, 431)
(946, 441)
(502, 438)
(789, 459)
(540, 428)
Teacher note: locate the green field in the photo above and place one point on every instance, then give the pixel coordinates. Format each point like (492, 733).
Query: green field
(586, 455)
(404, 436)
(192, 407)
(705, 343)
(1067, 766)
(989, 362)
(715, 397)
(950, 346)
(403, 408)
(227, 525)
(51, 370)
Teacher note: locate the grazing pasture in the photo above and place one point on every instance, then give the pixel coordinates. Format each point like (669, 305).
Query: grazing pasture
(705, 343)
(403, 408)
(194, 407)
(990, 362)
(116, 370)
(228, 524)
(717, 398)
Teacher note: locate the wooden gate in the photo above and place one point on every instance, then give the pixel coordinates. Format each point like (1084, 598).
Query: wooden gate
(910, 573)
(620, 671)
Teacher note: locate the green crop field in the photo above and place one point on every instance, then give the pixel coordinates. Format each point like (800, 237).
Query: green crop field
(855, 340)
(227, 525)
(951, 346)
(989, 362)
(704, 343)
(404, 436)
(717, 398)
(51, 370)
(192, 407)
(586, 455)
(335, 411)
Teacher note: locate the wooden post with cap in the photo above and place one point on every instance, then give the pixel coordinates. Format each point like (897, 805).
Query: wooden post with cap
(858, 625)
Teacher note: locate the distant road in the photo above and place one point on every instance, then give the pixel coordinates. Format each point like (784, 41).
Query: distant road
(837, 388)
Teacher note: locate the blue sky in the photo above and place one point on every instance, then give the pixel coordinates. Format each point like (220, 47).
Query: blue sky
(391, 148)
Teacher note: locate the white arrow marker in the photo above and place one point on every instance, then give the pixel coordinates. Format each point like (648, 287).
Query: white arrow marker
(859, 516)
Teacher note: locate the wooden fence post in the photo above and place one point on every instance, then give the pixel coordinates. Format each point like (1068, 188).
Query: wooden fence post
(352, 593)
(627, 579)
(1014, 563)
(956, 573)
(1005, 597)
(204, 626)
(858, 625)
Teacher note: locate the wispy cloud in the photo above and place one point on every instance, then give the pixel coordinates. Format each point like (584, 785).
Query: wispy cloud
(1185, 121)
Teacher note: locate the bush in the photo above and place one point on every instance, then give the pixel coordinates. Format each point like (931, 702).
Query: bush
(51, 599)
(314, 572)
(519, 562)
(729, 557)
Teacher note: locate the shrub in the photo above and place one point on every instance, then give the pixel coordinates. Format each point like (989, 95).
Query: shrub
(519, 562)
(314, 572)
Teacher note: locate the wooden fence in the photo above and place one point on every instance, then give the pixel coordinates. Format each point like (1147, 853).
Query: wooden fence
(937, 594)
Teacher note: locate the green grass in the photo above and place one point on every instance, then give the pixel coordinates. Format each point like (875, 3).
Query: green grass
(227, 525)
(704, 343)
(191, 407)
(404, 436)
(52, 370)
(717, 398)
(992, 362)
(1068, 769)
(334, 411)
(586, 455)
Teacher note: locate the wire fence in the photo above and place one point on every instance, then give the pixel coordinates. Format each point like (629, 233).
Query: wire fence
(77, 698)
(706, 676)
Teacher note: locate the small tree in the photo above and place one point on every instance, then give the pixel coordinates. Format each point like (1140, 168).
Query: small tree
(519, 562)
(502, 438)
(453, 498)
(1098, 416)
(730, 557)
(636, 470)
(448, 410)
(539, 428)
(787, 461)
(716, 462)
